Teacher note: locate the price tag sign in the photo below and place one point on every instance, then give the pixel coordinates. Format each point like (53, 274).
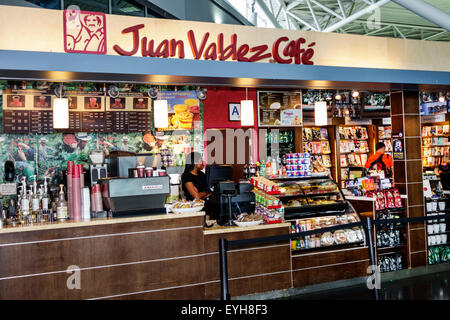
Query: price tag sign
(7, 189)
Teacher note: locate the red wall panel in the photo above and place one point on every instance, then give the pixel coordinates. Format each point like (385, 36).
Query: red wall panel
(215, 107)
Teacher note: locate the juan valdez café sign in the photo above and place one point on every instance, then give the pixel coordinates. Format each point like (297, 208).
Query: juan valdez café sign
(85, 32)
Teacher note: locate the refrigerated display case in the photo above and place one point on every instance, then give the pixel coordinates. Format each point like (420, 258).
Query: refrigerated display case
(284, 139)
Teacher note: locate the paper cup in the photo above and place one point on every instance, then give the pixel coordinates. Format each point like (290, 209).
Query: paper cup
(430, 229)
(442, 205)
(443, 227)
(141, 171)
(443, 238)
(429, 206)
(429, 240)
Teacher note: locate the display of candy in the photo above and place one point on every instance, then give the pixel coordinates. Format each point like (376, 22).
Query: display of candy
(438, 254)
(390, 263)
(388, 238)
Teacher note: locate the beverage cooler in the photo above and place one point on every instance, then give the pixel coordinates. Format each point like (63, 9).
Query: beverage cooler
(285, 139)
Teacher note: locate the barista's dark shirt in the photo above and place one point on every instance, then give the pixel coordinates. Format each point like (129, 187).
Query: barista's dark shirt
(198, 180)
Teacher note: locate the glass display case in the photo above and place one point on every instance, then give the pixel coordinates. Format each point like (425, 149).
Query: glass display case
(312, 203)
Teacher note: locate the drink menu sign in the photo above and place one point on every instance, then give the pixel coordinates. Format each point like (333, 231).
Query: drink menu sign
(30, 111)
(279, 109)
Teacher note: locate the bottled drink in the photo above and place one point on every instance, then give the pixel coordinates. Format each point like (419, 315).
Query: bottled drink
(35, 202)
(61, 206)
(252, 170)
(268, 166)
(262, 170)
(246, 172)
(45, 198)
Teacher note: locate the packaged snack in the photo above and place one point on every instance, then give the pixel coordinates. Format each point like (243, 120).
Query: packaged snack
(380, 200)
(397, 198)
(389, 199)
(326, 239)
(340, 237)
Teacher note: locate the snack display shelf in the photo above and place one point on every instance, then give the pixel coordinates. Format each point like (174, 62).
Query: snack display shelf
(440, 244)
(435, 233)
(320, 210)
(437, 136)
(436, 200)
(400, 245)
(298, 178)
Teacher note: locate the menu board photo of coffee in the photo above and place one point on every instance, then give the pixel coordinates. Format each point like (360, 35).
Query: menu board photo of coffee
(183, 109)
(279, 108)
(140, 104)
(93, 103)
(15, 101)
(42, 102)
(117, 103)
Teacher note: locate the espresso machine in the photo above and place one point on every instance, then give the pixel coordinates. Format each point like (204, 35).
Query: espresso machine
(135, 196)
(125, 195)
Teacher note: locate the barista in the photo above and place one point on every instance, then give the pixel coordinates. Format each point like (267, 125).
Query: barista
(193, 179)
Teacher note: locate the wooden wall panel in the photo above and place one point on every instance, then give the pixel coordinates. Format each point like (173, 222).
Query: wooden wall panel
(331, 273)
(327, 258)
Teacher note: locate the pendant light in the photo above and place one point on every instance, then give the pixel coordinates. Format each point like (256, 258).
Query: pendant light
(247, 117)
(60, 110)
(160, 114)
(320, 113)
(441, 97)
(338, 96)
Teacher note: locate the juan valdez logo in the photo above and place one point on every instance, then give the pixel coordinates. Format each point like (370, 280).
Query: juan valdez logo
(84, 32)
(283, 50)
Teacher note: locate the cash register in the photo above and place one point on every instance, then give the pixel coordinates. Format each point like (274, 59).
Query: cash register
(228, 198)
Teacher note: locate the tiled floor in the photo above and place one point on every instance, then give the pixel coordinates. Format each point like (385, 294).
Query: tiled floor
(429, 287)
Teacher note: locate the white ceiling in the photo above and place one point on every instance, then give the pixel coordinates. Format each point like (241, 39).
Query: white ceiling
(389, 20)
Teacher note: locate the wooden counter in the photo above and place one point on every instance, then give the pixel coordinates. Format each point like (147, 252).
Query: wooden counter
(96, 222)
(157, 257)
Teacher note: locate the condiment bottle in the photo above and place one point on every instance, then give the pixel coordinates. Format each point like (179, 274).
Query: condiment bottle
(61, 206)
